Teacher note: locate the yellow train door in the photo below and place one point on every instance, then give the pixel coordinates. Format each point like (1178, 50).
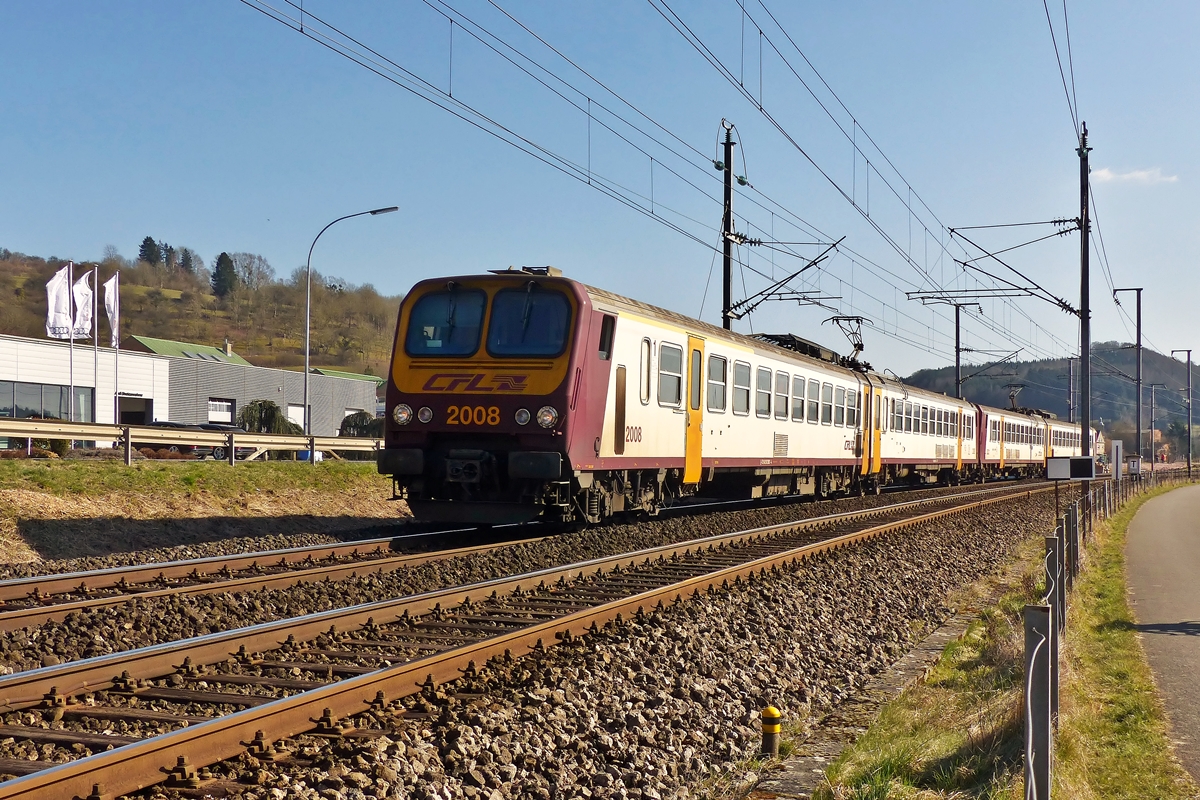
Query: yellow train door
(695, 412)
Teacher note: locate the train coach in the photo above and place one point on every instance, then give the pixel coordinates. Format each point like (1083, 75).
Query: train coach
(521, 394)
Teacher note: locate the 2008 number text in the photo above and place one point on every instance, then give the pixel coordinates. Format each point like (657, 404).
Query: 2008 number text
(472, 415)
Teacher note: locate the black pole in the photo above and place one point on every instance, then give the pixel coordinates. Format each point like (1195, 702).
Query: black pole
(1139, 373)
(1188, 353)
(1071, 390)
(957, 351)
(1137, 438)
(1085, 304)
(727, 232)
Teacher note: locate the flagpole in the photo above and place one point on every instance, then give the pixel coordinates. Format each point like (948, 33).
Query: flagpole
(71, 336)
(95, 339)
(117, 350)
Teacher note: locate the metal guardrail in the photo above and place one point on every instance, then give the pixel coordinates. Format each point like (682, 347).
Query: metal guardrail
(128, 435)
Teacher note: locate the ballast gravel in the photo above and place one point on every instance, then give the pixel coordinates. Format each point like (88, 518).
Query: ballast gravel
(666, 703)
(143, 622)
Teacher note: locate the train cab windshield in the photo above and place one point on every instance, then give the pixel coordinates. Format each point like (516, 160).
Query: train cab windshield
(446, 323)
(529, 321)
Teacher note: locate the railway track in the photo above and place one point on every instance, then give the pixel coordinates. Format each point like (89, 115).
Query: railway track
(46, 598)
(35, 600)
(191, 700)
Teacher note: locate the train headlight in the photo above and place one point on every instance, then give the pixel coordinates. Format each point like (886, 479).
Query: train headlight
(402, 414)
(425, 414)
(547, 416)
(522, 416)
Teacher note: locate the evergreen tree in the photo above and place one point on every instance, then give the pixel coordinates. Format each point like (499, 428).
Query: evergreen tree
(224, 279)
(185, 261)
(150, 252)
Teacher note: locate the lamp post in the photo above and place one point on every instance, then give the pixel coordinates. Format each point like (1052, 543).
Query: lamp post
(312, 455)
(1189, 406)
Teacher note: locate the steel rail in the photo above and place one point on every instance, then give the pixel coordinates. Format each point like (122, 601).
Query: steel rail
(138, 765)
(37, 615)
(28, 688)
(65, 582)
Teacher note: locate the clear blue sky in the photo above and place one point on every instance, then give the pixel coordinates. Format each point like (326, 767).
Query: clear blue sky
(213, 127)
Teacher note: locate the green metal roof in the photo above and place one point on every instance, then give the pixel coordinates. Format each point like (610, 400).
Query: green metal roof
(202, 352)
(354, 376)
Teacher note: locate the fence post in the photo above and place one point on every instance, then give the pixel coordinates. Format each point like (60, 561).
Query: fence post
(1038, 740)
(1057, 614)
(127, 445)
(312, 450)
(232, 451)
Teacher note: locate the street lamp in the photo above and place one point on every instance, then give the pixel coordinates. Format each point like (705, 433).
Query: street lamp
(1189, 406)
(312, 456)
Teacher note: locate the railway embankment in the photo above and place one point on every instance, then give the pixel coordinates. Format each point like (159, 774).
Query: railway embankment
(66, 516)
(960, 730)
(666, 703)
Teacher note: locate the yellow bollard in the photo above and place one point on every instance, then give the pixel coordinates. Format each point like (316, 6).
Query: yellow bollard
(771, 719)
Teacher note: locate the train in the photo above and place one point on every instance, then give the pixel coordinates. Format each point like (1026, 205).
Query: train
(520, 395)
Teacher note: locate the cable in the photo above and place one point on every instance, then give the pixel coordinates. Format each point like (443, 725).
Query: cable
(1058, 58)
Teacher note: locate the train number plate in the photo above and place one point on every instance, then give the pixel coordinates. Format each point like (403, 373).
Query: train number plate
(473, 415)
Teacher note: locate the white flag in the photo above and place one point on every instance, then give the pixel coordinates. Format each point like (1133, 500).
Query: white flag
(83, 307)
(58, 305)
(112, 307)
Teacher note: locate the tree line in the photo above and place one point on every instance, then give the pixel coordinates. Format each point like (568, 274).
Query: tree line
(170, 292)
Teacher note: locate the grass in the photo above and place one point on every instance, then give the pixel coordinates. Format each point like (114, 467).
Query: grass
(1112, 739)
(959, 733)
(217, 478)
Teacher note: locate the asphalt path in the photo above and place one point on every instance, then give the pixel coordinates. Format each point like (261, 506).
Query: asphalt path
(1163, 562)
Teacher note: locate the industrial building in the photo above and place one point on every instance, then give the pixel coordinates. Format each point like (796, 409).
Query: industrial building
(156, 379)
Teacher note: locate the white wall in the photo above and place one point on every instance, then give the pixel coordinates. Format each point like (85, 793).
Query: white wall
(45, 361)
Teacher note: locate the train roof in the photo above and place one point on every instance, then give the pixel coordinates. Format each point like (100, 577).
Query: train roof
(782, 345)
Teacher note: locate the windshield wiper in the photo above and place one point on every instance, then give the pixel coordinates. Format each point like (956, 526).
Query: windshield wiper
(527, 308)
(451, 288)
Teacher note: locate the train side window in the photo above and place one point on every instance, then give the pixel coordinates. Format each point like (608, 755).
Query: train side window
(718, 369)
(839, 406)
(644, 384)
(670, 374)
(607, 326)
(852, 408)
(741, 387)
(908, 417)
(897, 415)
(925, 420)
(781, 395)
(941, 423)
(797, 398)
(827, 404)
(954, 424)
(814, 403)
(762, 394)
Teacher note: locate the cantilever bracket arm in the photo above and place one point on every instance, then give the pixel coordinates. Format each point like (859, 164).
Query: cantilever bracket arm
(755, 300)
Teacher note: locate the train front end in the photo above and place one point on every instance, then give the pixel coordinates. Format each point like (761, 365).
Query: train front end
(477, 399)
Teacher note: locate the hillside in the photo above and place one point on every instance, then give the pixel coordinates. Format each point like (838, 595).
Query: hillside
(263, 318)
(1114, 395)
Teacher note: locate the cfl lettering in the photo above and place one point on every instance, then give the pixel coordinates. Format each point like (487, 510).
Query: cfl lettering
(474, 382)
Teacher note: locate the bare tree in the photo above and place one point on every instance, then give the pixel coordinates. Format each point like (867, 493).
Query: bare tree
(253, 271)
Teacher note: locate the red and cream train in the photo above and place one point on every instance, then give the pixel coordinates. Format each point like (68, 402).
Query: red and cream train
(521, 394)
